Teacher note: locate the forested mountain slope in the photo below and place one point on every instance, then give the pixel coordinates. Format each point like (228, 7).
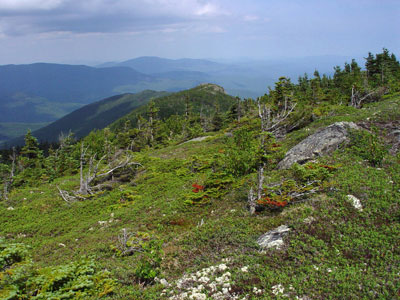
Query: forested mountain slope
(93, 116)
(117, 110)
(205, 100)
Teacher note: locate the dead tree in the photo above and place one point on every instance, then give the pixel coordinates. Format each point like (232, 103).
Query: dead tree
(9, 181)
(357, 99)
(252, 201)
(269, 123)
(271, 120)
(152, 112)
(85, 180)
(301, 192)
(66, 196)
(239, 109)
(204, 121)
(135, 244)
(93, 174)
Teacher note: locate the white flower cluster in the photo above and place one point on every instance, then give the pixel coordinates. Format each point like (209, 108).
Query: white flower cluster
(214, 282)
(257, 291)
(278, 289)
(106, 223)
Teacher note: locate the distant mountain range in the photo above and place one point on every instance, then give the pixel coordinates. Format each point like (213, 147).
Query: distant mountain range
(116, 110)
(44, 92)
(246, 78)
(35, 95)
(154, 65)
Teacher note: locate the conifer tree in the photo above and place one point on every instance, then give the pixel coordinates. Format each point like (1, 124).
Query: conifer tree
(31, 149)
(31, 161)
(217, 120)
(152, 114)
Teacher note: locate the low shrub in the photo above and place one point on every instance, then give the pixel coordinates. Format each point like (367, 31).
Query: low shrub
(368, 146)
(147, 251)
(20, 279)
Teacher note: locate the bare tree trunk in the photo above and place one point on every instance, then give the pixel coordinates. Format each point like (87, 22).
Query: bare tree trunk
(356, 100)
(151, 129)
(90, 176)
(260, 180)
(9, 182)
(239, 112)
(269, 122)
(86, 180)
(66, 196)
(251, 202)
(353, 97)
(265, 115)
(186, 108)
(82, 187)
(92, 172)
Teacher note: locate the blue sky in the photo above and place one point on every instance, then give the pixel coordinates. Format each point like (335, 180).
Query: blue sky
(91, 31)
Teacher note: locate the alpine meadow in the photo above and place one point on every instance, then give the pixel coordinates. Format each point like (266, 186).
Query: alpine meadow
(199, 150)
(198, 195)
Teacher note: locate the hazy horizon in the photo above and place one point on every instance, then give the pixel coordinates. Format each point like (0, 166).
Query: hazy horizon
(97, 31)
(238, 60)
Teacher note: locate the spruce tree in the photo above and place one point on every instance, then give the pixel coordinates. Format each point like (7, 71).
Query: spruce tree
(30, 162)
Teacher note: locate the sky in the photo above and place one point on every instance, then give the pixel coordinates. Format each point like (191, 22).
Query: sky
(95, 31)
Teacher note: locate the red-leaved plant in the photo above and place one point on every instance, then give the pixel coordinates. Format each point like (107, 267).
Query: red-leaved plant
(197, 188)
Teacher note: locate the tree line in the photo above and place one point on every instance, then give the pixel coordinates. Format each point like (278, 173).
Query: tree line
(285, 107)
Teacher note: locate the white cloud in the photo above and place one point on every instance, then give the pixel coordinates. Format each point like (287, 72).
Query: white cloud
(183, 8)
(24, 17)
(250, 18)
(25, 5)
(207, 9)
(215, 29)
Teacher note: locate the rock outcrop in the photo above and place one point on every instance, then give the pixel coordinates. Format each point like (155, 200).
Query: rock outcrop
(273, 238)
(198, 139)
(355, 201)
(214, 88)
(320, 143)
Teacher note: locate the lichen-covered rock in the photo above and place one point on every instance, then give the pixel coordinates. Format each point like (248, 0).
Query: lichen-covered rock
(213, 88)
(356, 202)
(318, 144)
(198, 139)
(273, 238)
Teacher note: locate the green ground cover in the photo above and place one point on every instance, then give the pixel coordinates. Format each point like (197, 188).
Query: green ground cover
(333, 251)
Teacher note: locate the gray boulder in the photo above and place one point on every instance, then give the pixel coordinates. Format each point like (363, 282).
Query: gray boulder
(318, 144)
(356, 202)
(198, 139)
(273, 238)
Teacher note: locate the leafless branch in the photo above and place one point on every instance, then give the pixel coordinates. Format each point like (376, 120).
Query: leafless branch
(92, 174)
(269, 121)
(123, 240)
(66, 196)
(357, 100)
